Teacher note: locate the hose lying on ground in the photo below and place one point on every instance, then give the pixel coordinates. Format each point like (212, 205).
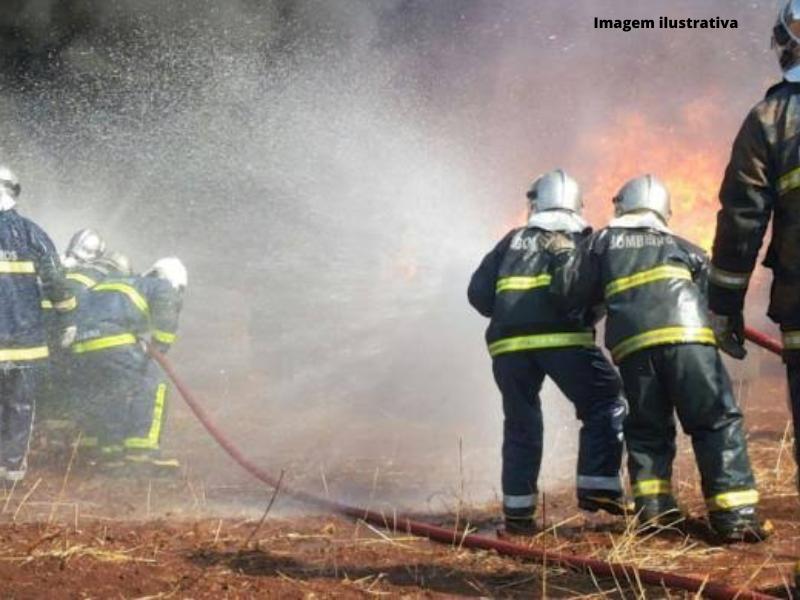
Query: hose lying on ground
(620, 572)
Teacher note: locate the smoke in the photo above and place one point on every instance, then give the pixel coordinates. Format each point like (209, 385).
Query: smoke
(331, 173)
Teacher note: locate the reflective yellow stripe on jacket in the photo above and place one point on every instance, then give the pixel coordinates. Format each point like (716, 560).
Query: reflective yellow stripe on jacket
(104, 343)
(519, 284)
(154, 435)
(665, 336)
(131, 292)
(730, 500)
(63, 306)
(165, 337)
(541, 341)
(82, 279)
(18, 267)
(789, 181)
(32, 353)
(645, 277)
(652, 487)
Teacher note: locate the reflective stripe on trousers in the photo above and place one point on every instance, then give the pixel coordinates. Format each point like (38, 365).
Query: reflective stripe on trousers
(652, 487)
(586, 482)
(728, 279)
(791, 340)
(732, 500)
(527, 501)
(151, 442)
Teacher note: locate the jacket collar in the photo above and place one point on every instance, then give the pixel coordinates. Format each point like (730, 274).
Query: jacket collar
(558, 220)
(640, 220)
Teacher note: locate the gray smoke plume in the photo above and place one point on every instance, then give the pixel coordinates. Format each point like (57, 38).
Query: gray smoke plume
(331, 172)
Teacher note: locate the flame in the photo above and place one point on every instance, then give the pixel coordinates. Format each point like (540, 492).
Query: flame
(687, 154)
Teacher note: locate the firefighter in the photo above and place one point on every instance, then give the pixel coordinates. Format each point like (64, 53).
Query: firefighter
(658, 331)
(762, 179)
(120, 388)
(30, 271)
(529, 339)
(82, 259)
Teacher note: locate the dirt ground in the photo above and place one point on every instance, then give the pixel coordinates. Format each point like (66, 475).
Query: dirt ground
(69, 531)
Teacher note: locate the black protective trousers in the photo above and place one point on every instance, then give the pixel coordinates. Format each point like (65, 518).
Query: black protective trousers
(691, 380)
(793, 373)
(589, 381)
(17, 392)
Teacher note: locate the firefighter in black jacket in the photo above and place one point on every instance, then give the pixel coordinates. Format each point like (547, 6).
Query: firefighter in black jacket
(659, 333)
(530, 338)
(762, 180)
(30, 271)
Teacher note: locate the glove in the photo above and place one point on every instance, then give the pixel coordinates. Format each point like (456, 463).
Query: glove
(559, 243)
(729, 331)
(68, 336)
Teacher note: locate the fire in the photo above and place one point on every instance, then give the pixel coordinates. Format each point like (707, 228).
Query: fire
(686, 153)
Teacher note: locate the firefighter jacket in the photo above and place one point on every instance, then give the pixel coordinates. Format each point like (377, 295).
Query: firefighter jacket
(30, 271)
(121, 311)
(651, 282)
(79, 279)
(510, 287)
(762, 180)
(85, 276)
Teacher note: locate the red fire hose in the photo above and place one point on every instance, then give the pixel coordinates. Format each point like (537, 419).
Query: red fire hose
(763, 340)
(453, 536)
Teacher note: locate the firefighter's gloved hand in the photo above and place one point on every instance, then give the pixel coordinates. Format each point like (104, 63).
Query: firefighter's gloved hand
(729, 331)
(559, 243)
(68, 336)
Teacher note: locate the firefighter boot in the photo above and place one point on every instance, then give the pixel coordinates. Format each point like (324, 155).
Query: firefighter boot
(658, 512)
(739, 525)
(519, 521)
(609, 501)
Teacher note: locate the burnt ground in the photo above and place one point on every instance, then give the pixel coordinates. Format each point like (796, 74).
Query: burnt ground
(69, 531)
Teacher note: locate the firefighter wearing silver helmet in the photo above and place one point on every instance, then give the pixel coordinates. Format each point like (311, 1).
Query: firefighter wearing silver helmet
(121, 390)
(84, 246)
(30, 273)
(762, 185)
(652, 285)
(530, 338)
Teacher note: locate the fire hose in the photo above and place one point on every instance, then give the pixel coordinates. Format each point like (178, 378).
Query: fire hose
(462, 538)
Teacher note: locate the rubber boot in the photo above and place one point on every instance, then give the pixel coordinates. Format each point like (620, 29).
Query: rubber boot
(609, 501)
(658, 512)
(519, 521)
(739, 525)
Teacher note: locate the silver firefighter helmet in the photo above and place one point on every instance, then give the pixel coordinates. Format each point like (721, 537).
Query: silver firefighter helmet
(86, 245)
(786, 39)
(9, 181)
(170, 269)
(644, 193)
(555, 190)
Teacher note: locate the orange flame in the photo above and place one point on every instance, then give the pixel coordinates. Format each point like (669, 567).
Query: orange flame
(687, 155)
